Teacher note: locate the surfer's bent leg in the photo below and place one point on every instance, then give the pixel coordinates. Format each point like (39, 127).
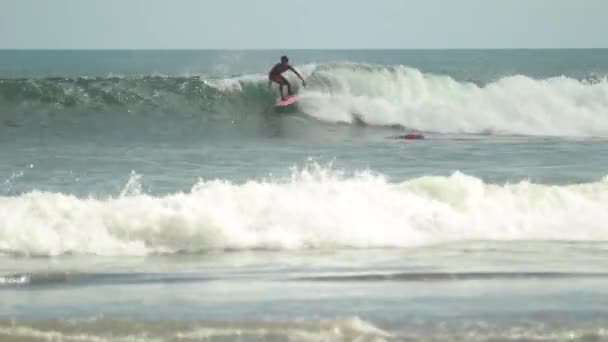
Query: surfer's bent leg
(288, 87)
(281, 81)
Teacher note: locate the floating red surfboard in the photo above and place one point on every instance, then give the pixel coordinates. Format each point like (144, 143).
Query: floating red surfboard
(291, 99)
(411, 136)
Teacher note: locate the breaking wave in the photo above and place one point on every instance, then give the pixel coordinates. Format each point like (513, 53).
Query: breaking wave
(343, 92)
(317, 208)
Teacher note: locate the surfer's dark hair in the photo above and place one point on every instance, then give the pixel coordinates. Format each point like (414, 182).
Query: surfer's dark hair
(284, 58)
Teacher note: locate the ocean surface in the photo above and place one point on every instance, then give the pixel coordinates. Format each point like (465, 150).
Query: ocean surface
(160, 196)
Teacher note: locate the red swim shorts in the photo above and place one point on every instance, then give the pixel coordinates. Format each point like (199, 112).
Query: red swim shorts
(278, 79)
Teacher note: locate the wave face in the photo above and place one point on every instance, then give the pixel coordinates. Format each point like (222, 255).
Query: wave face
(344, 92)
(136, 95)
(316, 209)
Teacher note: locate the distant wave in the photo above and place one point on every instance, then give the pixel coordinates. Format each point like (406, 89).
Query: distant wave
(540, 327)
(138, 278)
(458, 276)
(341, 92)
(317, 209)
(105, 329)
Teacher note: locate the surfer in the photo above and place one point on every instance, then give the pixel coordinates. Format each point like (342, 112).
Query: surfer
(275, 76)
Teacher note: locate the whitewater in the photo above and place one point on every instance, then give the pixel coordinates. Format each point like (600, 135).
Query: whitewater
(159, 196)
(316, 209)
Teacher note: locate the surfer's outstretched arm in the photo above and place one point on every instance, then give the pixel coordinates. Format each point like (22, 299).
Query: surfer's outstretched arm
(297, 73)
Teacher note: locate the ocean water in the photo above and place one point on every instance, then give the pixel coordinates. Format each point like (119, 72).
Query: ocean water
(159, 196)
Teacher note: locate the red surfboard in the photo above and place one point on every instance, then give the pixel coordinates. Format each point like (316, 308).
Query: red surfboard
(291, 99)
(411, 136)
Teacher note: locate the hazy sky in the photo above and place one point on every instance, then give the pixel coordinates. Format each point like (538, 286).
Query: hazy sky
(327, 24)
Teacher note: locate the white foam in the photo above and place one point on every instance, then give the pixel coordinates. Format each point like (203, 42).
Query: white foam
(317, 208)
(405, 96)
(340, 329)
(27, 333)
(234, 84)
(353, 328)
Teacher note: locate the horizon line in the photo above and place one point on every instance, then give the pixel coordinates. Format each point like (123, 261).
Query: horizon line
(306, 49)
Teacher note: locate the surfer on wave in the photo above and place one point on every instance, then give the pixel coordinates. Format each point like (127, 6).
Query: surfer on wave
(275, 76)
